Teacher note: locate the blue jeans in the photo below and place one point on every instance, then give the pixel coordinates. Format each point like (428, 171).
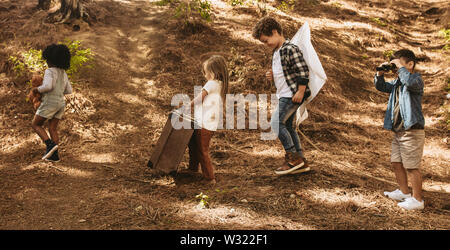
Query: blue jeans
(282, 122)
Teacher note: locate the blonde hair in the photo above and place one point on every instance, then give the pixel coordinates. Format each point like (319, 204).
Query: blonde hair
(217, 65)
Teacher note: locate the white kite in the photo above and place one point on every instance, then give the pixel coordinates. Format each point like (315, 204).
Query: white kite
(317, 76)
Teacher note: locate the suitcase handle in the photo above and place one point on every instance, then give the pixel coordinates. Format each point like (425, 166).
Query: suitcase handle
(183, 115)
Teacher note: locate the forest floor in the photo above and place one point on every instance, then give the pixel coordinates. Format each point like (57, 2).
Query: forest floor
(143, 57)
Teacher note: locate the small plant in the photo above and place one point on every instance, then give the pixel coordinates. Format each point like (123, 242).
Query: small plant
(28, 61)
(379, 37)
(34, 61)
(188, 10)
(204, 8)
(18, 65)
(378, 21)
(287, 5)
(337, 5)
(236, 2)
(445, 33)
(79, 57)
(31, 61)
(203, 200)
(388, 54)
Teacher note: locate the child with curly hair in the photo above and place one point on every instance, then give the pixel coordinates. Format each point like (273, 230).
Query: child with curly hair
(54, 86)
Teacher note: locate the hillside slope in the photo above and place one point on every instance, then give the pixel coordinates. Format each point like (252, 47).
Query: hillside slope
(143, 57)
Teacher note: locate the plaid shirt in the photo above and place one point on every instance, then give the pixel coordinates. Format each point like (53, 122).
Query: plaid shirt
(295, 69)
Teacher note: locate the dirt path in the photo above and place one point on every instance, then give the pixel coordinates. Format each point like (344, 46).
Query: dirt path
(142, 60)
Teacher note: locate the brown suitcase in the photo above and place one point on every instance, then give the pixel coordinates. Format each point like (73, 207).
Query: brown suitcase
(170, 147)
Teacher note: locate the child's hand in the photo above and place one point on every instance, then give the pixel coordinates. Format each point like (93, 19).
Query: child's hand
(397, 63)
(297, 98)
(183, 108)
(269, 75)
(380, 73)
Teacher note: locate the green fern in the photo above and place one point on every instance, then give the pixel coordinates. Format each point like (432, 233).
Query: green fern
(79, 57)
(31, 60)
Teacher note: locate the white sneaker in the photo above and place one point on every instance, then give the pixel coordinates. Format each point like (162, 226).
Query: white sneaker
(411, 204)
(397, 195)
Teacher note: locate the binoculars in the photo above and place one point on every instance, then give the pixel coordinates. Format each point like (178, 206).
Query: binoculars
(387, 67)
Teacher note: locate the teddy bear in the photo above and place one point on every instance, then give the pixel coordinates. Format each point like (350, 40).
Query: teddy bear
(35, 97)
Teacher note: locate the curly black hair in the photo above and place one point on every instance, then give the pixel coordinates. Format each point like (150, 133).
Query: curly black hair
(265, 27)
(57, 55)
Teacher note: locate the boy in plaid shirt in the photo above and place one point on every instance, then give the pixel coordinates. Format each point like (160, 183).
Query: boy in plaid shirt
(290, 75)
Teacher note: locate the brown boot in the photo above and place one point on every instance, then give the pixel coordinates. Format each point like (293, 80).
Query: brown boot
(291, 163)
(294, 159)
(306, 163)
(304, 168)
(303, 158)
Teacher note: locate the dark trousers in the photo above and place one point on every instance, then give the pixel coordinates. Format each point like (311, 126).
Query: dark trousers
(199, 152)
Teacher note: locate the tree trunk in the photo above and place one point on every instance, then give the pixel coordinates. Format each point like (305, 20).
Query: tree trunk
(68, 9)
(43, 4)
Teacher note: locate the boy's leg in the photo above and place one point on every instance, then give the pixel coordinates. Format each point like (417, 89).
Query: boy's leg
(416, 183)
(397, 163)
(53, 129)
(194, 151)
(294, 135)
(37, 124)
(282, 123)
(284, 111)
(400, 175)
(412, 151)
(205, 160)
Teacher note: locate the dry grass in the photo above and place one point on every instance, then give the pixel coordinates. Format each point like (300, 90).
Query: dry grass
(118, 110)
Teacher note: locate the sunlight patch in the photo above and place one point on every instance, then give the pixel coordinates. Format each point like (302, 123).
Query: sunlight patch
(56, 166)
(99, 158)
(338, 196)
(6, 146)
(273, 152)
(75, 172)
(432, 121)
(436, 186)
(359, 119)
(131, 99)
(226, 215)
(434, 149)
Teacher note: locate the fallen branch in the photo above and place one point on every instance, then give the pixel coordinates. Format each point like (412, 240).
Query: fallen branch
(367, 175)
(56, 168)
(239, 150)
(308, 140)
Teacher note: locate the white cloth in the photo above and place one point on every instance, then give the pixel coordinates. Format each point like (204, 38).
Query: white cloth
(49, 81)
(208, 113)
(283, 89)
(317, 76)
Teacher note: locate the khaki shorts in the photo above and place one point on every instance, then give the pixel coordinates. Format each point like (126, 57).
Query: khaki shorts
(51, 110)
(407, 148)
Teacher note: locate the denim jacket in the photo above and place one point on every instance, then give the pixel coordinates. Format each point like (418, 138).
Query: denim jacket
(411, 92)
